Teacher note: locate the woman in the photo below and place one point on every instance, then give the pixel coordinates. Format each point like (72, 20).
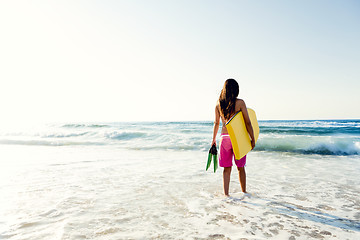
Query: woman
(225, 109)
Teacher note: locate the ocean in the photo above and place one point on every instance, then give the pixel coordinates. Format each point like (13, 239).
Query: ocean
(147, 180)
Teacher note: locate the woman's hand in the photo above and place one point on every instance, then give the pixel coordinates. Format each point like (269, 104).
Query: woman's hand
(213, 142)
(252, 144)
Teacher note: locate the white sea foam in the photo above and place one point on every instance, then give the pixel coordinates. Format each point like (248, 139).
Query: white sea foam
(109, 193)
(161, 190)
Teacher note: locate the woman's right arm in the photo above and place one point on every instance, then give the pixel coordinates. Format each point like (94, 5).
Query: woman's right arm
(216, 124)
(247, 122)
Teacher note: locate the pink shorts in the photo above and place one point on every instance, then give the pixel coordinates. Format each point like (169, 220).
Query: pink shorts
(226, 154)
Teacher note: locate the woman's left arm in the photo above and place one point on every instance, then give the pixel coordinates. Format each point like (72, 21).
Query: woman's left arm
(216, 125)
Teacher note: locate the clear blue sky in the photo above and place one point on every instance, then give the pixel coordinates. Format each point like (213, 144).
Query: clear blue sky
(167, 60)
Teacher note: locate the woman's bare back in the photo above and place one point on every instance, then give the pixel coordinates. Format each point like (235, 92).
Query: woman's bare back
(239, 104)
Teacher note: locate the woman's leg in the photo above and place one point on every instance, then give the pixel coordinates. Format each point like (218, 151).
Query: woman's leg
(226, 178)
(242, 178)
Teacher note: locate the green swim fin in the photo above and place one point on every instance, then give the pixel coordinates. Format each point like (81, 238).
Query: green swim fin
(209, 161)
(212, 155)
(215, 162)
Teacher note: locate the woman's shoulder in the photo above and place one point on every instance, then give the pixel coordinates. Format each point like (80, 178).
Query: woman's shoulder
(217, 106)
(239, 104)
(217, 103)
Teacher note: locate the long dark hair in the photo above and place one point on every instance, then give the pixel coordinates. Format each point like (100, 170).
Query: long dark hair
(228, 97)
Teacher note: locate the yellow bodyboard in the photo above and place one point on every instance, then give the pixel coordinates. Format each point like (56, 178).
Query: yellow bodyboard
(239, 136)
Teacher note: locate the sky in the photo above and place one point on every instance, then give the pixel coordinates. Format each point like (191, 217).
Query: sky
(167, 60)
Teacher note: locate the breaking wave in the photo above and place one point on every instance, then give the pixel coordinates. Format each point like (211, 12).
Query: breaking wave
(335, 137)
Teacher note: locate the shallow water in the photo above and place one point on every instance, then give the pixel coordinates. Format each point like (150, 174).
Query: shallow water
(114, 192)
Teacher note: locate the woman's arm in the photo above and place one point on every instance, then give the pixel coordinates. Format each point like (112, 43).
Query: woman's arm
(247, 121)
(216, 125)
